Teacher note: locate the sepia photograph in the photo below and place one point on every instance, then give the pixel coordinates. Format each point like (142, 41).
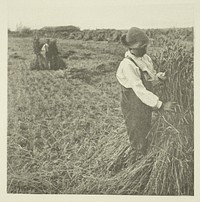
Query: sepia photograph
(100, 97)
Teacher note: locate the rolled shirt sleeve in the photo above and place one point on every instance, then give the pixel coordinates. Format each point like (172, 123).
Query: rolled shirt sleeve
(43, 48)
(132, 73)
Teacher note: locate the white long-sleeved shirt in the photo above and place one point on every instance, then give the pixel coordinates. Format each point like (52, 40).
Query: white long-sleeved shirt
(129, 76)
(45, 47)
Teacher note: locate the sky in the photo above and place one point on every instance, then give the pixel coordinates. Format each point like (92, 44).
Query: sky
(95, 14)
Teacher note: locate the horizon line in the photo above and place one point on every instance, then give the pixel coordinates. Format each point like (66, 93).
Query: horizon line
(82, 29)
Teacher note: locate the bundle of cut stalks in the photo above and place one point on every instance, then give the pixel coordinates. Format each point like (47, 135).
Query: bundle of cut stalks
(167, 169)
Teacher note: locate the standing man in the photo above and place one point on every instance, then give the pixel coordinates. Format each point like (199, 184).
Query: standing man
(136, 76)
(47, 55)
(53, 50)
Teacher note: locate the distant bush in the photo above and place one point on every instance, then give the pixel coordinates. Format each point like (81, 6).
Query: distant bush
(26, 30)
(69, 28)
(23, 30)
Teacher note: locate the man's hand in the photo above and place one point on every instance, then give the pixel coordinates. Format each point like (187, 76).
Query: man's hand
(161, 76)
(169, 106)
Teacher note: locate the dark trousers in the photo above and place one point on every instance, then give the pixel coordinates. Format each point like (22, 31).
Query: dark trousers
(137, 117)
(48, 60)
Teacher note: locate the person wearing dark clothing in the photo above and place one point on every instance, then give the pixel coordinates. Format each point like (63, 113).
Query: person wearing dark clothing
(38, 62)
(136, 76)
(53, 52)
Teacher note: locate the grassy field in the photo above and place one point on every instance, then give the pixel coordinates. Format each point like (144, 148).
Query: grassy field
(66, 133)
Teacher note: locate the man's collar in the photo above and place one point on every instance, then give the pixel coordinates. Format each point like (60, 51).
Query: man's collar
(129, 54)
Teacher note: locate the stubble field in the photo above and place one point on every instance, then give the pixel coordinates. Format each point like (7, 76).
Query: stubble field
(66, 133)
